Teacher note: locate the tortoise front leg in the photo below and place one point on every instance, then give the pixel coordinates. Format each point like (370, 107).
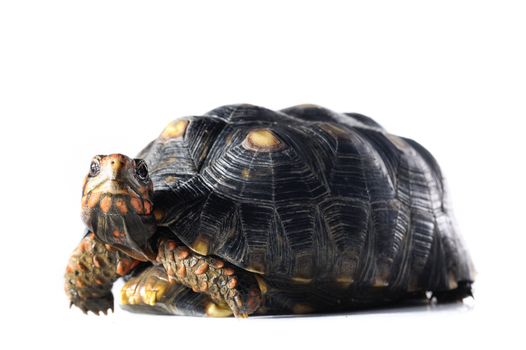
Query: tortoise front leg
(224, 283)
(91, 271)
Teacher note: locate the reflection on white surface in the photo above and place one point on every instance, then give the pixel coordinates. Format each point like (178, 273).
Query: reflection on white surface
(466, 306)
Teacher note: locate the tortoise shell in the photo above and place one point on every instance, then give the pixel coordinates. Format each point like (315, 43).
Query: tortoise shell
(307, 195)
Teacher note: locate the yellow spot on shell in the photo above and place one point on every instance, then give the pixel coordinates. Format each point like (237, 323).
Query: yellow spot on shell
(124, 296)
(307, 106)
(397, 141)
(261, 284)
(453, 284)
(261, 139)
(345, 281)
(302, 309)
(159, 214)
(170, 179)
(149, 297)
(200, 246)
(146, 292)
(336, 130)
(214, 310)
(229, 140)
(380, 282)
(175, 129)
(245, 173)
(136, 299)
(302, 280)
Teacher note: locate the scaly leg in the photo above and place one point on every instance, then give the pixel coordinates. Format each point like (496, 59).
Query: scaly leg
(91, 271)
(224, 283)
(151, 292)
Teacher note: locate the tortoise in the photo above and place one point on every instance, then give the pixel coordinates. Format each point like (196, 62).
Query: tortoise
(245, 210)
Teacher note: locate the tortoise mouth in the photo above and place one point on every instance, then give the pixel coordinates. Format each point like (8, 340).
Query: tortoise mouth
(114, 186)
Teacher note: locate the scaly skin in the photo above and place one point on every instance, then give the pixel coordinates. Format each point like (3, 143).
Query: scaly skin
(225, 284)
(92, 269)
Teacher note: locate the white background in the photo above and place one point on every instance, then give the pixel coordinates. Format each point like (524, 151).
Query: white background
(84, 78)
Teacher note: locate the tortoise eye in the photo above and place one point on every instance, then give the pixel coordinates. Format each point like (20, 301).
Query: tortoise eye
(141, 170)
(94, 168)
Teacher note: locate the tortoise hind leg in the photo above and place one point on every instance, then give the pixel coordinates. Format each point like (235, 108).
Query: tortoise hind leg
(151, 292)
(462, 291)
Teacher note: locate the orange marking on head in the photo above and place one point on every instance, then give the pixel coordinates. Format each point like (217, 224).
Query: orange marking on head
(136, 204)
(99, 281)
(79, 284)
(84, 245)
(147, 207)
(144, 191)
(96, 261)
(69, 269)
(84, 201)
(121, 206)
(105, 204)
(93, 199)
(116, 158)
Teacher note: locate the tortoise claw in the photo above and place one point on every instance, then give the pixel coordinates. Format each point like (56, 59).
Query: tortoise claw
(95, 305)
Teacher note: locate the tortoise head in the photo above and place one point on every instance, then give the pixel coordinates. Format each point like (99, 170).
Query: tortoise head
(116, 204)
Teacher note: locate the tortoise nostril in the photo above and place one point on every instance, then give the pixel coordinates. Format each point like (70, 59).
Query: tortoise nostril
(112, 162)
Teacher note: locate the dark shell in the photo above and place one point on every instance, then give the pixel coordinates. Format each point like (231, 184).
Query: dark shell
(320, 197)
